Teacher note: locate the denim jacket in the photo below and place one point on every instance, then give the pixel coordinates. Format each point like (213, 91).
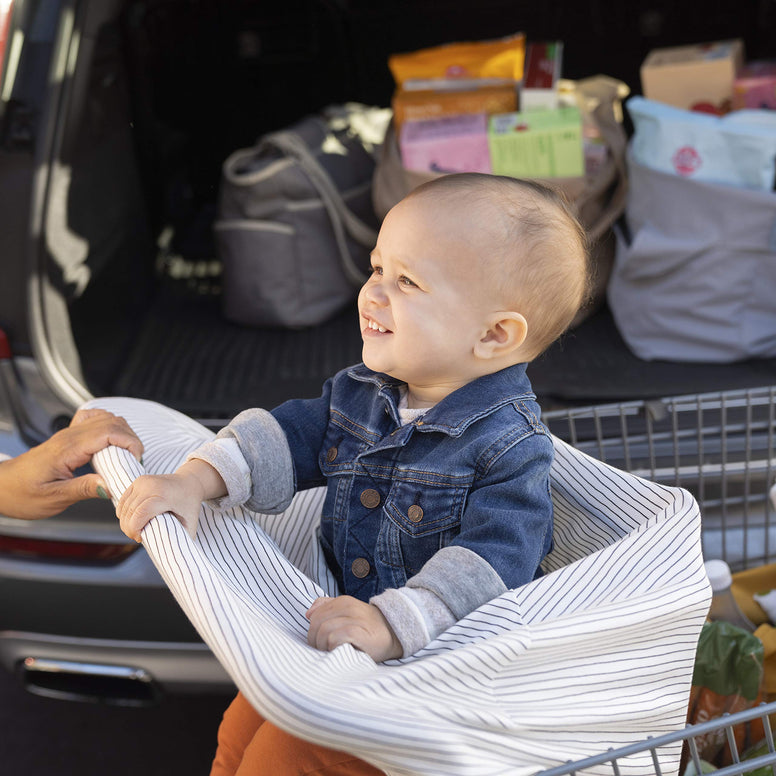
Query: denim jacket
(472, 472)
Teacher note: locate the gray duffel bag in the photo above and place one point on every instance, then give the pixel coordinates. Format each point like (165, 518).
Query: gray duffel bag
(295, 224)
(696, 279)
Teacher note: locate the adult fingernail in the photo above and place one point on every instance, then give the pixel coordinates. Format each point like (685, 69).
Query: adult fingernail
(101, 492)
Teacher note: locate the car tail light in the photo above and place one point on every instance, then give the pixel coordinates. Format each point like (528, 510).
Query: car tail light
(98, 553)
(5, 346)
(6, 9)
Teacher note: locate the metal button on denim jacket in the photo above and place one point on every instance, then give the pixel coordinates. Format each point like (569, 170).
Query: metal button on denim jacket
(473, 471)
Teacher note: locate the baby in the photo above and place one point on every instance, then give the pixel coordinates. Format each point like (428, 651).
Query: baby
(432, 452)
(435, 461)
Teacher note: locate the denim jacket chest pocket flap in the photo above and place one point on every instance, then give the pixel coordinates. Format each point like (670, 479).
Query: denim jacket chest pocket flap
(340, 451)
(420, 503)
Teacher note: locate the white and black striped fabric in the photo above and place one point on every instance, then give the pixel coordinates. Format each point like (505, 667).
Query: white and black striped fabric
(597, 653)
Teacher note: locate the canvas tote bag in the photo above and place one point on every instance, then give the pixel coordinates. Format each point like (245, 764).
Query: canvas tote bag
(695, 276)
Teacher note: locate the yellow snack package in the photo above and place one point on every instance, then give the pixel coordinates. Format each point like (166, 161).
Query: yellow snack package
(492, 59)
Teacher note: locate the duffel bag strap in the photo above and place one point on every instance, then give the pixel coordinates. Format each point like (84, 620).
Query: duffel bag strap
(343, 221)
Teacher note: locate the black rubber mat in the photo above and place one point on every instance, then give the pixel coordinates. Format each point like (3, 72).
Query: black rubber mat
(189, 357)
(592, 364)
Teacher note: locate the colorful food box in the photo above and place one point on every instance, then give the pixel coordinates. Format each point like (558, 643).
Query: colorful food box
(755, 86)
(537, 143)
(457, 98)
(453, 144)
(542, 73)
(698, 77)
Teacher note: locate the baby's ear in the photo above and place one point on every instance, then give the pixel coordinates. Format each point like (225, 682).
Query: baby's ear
(506, 333)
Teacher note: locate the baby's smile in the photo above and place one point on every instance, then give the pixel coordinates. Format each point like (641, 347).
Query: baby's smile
(376, 327)
(372, 327)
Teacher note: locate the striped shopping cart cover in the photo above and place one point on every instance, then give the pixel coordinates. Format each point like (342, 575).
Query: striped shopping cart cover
(597, 653)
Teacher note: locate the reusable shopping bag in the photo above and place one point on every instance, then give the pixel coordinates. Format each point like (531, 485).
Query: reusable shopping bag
(694, 277)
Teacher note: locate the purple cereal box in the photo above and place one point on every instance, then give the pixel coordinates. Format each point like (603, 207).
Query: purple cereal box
(446, 145)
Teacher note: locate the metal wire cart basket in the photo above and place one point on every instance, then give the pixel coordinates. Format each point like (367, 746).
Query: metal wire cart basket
(720, 447)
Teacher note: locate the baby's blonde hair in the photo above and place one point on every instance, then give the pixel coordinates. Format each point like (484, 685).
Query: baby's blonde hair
(537, 252)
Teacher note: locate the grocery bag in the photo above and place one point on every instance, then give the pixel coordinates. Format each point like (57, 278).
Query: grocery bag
(694, 278)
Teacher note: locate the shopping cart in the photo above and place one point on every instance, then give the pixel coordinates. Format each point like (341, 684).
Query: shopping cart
(720, 447)
(612, 761)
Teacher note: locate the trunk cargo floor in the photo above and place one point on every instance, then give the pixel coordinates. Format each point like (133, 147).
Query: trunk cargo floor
(189, 357)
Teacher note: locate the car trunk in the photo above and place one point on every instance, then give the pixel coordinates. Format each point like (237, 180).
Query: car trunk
(164, 90)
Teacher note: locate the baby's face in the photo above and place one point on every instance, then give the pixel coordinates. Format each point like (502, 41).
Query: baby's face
(426, 302)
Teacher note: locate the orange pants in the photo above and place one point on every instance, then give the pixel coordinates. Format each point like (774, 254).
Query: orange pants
(248, 745)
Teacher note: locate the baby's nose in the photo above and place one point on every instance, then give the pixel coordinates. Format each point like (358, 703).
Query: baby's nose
(374, 292)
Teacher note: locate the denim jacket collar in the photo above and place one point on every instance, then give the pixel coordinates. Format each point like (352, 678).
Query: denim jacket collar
(457, 411)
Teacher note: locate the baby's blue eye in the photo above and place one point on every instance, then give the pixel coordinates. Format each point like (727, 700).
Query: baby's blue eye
(377, 270)
(405, 281)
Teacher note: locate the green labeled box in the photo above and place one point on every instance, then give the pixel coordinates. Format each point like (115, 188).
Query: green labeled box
(537, 143)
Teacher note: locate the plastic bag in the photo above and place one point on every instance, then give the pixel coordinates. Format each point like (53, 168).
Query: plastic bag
(490, 59)
(736, 149)
(727, 678)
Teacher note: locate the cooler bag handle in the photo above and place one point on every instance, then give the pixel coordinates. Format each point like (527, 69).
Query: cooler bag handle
(343, 221)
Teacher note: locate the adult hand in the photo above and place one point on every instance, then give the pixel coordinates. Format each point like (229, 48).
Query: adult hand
(346, 620)
(41, 483)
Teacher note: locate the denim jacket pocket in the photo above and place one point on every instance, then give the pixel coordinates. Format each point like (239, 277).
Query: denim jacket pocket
(421, 509)
(339, 451)
(419, 520)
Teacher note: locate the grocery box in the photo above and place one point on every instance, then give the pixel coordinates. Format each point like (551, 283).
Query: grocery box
(755, 86)
(537, 143)
(542, 73)
(453, 144)
(454, 98)
(698, 77)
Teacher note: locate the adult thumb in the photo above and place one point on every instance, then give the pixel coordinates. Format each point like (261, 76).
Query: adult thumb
(84, 487)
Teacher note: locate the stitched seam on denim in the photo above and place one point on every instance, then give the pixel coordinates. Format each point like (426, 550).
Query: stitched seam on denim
(531, 417)
(391, 472)
(466, 422)
(429, 527)
(344, 422)
(505, 442)
(430, 478)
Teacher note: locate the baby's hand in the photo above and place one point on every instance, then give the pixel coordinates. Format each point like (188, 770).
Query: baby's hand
(151, 495)
(346, 620)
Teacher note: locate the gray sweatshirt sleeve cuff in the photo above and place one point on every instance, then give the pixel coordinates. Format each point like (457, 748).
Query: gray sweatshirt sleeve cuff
(405, 619)
(416, 616)
(264, 448)
(225, 457)
(442, 575)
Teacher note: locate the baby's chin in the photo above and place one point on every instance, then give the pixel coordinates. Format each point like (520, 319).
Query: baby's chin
(375, 364)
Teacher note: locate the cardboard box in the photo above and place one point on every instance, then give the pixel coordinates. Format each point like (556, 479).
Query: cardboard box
(459, 98)
(452, 144)
(698, 77)
(542, 73)
(537, 144)
(755, 86)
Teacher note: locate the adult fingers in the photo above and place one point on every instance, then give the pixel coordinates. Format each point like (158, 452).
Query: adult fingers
(93, 430)
(81, 488)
